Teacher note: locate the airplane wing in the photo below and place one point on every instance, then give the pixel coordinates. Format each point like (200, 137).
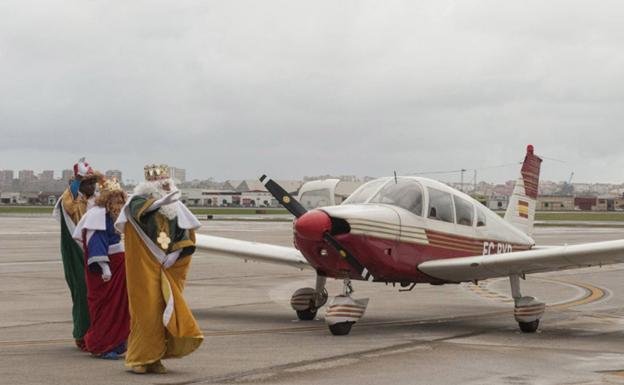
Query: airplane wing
(525, 262)
(262, 252)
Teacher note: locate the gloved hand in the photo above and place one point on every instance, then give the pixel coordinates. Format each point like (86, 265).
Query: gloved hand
(173, 196)
(73, 187)
(171, 259)
(106, 271)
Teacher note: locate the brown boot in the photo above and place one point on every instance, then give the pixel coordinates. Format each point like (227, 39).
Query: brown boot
(157, 368)
(139, 369)
(80, 344)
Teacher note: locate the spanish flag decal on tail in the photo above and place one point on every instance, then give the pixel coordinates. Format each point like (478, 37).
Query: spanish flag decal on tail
(521, 209)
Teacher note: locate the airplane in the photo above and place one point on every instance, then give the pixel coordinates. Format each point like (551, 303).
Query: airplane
(410, 230)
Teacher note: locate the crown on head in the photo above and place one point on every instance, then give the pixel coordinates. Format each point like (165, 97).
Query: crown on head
(82, 169)
(111, 184)
(156, 172)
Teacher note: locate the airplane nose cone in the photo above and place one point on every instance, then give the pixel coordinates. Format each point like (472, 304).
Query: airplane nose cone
(312, 225)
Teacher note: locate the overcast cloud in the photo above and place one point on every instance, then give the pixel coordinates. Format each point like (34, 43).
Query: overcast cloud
(234, 89)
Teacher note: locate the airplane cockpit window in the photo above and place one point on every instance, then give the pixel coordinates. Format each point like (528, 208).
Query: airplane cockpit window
(481, 221)
(405, 193)
(364, 193)
(464, 211)
(440, 205)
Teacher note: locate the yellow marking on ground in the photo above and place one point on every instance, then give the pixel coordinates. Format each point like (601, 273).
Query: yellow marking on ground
(482, 290)
(595, 294)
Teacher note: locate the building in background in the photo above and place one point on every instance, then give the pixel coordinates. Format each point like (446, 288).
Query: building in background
(10, 198)
(26, 175)
(67, 175)
(46, 175)
(251, 185)
(114, 173)
(585, 203)
(6, 176)
(210, 198)
(177, 174)
(555, 203)
(497, 202)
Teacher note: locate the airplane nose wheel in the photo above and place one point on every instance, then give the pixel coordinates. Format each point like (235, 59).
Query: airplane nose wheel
(344, 311)
(529, 327)
(341, 328)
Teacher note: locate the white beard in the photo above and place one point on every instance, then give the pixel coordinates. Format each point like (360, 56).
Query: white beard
(170, 211)
(154, 190)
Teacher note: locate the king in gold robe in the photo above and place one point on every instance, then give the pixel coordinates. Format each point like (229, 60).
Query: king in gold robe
(159, 242)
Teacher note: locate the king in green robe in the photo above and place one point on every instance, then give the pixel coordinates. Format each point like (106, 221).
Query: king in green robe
(72, 205)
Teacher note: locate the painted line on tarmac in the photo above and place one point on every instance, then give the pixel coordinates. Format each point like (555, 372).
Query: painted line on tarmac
(589, 292)
(594, 294)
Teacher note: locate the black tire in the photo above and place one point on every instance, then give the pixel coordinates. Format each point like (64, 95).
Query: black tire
(529, 327)
(306, 315)
(341, 329)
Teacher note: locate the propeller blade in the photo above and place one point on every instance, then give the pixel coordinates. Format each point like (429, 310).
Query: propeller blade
(347, 256)
(283, 197)
(296, 209)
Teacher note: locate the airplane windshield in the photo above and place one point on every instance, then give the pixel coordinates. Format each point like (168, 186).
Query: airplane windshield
(364, 193)
(405, 193)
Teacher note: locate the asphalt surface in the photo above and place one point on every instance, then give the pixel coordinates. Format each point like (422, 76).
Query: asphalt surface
(431, 335)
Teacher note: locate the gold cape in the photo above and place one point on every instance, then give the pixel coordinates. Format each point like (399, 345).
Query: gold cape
(155, 298)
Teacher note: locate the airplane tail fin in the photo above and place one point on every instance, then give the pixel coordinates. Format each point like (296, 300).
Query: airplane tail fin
(522, 203)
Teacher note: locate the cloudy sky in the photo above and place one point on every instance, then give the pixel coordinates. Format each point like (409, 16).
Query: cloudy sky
(234, 89)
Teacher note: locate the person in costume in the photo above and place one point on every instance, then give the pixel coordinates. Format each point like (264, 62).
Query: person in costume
(105, 274)
(69, 209)
(159, 233)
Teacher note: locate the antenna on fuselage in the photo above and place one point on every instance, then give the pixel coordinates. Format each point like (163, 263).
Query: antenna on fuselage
(395, 178)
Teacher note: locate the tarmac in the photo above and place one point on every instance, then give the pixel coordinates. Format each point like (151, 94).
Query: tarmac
(432, 335)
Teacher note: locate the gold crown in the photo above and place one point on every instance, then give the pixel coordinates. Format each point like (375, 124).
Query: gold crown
(111, 184)
(156, 172)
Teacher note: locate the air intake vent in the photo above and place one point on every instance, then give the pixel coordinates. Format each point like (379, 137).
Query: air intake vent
(339, 226)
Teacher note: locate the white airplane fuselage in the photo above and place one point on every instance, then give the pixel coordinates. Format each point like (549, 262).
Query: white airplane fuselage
(391, 225)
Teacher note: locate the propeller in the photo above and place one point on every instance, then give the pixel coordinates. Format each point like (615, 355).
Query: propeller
(283, 197)
(296, 209)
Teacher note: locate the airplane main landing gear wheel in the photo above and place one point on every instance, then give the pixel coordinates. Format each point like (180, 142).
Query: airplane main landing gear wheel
(529, 327)
(527, 310)
(341, 328)
(306, 301)
(307, 314)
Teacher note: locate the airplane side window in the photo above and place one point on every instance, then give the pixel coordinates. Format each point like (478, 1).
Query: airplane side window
(440, 205)
(481, 218)
(464, 212)
(404, 193)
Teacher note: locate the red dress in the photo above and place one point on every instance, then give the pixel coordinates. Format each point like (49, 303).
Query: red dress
(108, 300)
